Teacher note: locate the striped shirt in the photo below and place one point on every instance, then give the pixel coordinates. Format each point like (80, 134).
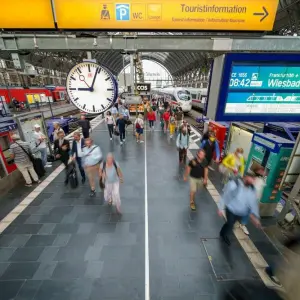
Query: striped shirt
(20, 156)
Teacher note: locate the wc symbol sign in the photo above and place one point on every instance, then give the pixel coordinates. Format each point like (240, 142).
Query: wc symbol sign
(122, 12)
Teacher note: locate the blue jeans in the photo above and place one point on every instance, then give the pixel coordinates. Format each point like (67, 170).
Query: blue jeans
(79, 163)
(43, 155)
(245, 220)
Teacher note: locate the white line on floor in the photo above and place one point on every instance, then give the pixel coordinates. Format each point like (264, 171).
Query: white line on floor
(147, 280)
(246, 243)
(39, 189)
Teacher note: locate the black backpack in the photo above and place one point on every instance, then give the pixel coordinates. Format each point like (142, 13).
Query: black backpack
(73, 177)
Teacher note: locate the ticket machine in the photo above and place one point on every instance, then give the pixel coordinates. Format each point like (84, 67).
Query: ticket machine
(273, 153)
(221, 129)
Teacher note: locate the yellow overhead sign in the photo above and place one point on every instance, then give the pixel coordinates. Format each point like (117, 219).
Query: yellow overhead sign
(231, 15)
(26, 14)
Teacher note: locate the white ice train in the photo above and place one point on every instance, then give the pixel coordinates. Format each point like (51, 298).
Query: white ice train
(175, 95)
(199, 97)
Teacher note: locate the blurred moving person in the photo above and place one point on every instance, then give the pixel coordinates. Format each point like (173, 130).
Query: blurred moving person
(179, 117)
(172, 124)
(182, 144)
(110, 122)
(85, 126)
(61, 150)
(197, 170)
(112, 176)
(20, 152)
(121, 124)
(239, 200)
(40, 141)
(114, 111)
(166, 118)
(139, 128)
(211, 147)
(151, 118)
(92, 156)
(77, 153)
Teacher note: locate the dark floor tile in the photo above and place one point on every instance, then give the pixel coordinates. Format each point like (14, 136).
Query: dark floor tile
(28, 290)
(21, 219)
(40, 241)
(87, 217)
(46, 229)
(71, 253)
(45, 270)
(77, 240)
(51, 218)
(110, 252)
(6, 253)
(3, 267)
(104, 228)
(20, 240)
(9, 289)
(65, 290)
(21, 270)
(6, 239)
(69, 270)
(48, 254)
(94, 269)
(62, 240)
(40, 199)
(27, 254)
(65, 228)
(27, 229)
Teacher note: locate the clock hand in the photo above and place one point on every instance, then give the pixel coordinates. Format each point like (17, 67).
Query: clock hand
(84, 89)
(94, 79)
(82, 78)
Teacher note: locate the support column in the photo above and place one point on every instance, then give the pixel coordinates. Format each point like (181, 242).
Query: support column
(132, 73)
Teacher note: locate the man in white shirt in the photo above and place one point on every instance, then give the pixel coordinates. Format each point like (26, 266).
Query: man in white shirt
(40, 142)
(77, 153)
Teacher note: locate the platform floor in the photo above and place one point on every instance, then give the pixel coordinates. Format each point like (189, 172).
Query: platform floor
(66, 245)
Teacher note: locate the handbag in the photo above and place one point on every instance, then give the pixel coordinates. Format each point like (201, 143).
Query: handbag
(116, 132)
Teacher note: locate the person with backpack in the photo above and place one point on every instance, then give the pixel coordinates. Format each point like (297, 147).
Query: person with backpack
(211, 147)
(111, 176)
(197, 170)
(92, 156)
(139, 128)
(239, 200)
(182, 144)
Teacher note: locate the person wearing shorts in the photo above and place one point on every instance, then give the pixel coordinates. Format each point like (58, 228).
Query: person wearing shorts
(197, 169)
(139, 128)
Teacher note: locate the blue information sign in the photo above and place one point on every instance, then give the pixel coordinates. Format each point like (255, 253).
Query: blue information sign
(260, 87)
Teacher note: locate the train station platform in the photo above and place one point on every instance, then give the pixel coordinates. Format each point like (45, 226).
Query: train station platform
(58, 108)
(58, 243)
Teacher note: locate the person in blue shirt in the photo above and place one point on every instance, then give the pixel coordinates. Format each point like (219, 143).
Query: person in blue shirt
(211, 147)
(114, 111)
(92, 156)
(121, 123)
(239, 200)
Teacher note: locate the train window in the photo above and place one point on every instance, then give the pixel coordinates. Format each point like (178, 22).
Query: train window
(184, 95)
(194, 96)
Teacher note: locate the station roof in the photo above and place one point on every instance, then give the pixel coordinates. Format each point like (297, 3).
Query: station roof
(287, 23)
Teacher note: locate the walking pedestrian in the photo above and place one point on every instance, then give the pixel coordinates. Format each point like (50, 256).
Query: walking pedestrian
(61, 150)
(85, 126)
(110, 122)
(114, 111)
(239, 200)
(166, 118)
(20, 152)
(139, 128)
(92, 156)
(151, 118)
(121, 123)
(77, 153)
(112, 176)
(197, 170)
(172, 124)
(211, 147)
(182, 144)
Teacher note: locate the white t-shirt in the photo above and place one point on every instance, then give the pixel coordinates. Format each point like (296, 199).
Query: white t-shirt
(140, 121)
(79, 149)
(39, 144)
(109, 120)
(259, 185)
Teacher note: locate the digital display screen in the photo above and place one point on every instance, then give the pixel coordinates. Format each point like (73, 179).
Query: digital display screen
(263, 89)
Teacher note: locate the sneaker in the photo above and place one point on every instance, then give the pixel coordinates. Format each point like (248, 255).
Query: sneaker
(48, 166)
(28, 185)
(124, 140)
(141, 141)
(92, 193)
(193, 206)
(273, 278)
(244, 228)
(121, 143)
(37, 182)
(211, 168)
(111, 139)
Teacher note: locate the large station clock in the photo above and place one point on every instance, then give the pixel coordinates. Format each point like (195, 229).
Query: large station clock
(91, 87)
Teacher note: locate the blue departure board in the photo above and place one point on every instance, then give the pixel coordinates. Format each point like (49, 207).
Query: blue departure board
(263, 89)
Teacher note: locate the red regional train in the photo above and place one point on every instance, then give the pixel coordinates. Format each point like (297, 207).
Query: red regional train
(31, 94)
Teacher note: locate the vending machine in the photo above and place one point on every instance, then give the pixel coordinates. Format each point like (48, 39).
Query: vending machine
(221, 129)
(272, 153)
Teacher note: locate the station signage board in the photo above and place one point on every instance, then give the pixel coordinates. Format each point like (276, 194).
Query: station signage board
(256, 87)
(230, 15)
(143, 87)
(29, 14)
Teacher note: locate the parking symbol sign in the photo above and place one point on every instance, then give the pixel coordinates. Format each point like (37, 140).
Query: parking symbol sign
(122, 12)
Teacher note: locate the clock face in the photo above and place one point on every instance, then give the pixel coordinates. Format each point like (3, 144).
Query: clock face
(91, 87)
